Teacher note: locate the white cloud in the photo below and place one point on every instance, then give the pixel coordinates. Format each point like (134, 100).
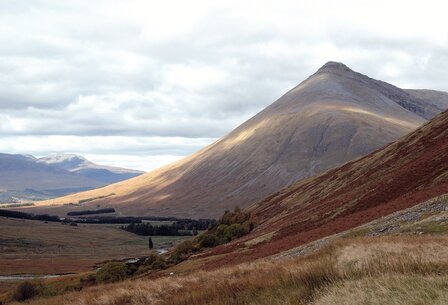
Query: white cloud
(192, 69)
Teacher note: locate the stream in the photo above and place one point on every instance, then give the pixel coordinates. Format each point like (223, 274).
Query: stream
(20, 277)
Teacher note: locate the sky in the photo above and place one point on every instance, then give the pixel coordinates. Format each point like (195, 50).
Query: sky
(140, 84)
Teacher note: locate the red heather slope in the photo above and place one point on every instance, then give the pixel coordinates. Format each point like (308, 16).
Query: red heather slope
(396, 177)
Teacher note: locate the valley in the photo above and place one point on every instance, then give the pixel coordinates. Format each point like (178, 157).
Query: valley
(373, 270)
(223, 152)
(352, 200)
(31, 248)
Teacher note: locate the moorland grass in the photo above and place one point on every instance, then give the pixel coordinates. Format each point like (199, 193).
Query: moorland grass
(348, 271)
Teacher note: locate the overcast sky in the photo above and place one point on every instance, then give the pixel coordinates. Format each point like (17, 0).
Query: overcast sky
(142, 83)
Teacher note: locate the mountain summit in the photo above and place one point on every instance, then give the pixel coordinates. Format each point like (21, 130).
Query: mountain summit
(332, 117)
(334, 66)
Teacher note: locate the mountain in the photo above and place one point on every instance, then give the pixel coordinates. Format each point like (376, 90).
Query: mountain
(20, 172)
(81, 166)
(394, 178)
(438, 99)
(24, 177)
(334, 116)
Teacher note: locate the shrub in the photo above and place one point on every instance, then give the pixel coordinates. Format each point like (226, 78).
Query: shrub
(182, 251)
(221, 229)
(153, 262)
(151, 259)
(25, 291)
(112, 272)
(208, 240)
(234, 231)
(158, 264)
(232, 225)
(237, 216)
(184, 247)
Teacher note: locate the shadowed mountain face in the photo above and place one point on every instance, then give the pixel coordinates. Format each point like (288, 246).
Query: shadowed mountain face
(334, 116)
(28, 178)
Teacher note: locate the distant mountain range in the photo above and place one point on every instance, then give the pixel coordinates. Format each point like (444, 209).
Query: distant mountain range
(83, 167)
(334, 116)
(25, 178)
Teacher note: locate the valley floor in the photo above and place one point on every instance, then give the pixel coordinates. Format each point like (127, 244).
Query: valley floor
(36, 248)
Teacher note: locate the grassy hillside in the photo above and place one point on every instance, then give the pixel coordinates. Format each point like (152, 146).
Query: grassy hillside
(376, 270)
(371, 264)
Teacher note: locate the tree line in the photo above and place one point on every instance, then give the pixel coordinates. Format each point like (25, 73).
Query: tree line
(180, 227)
(91, 212)
(23, 215)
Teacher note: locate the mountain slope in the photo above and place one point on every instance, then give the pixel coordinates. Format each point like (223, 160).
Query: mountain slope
(334, 116)
(438, 100)
(399, 176)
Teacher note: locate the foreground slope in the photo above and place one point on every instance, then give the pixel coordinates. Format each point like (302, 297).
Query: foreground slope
(399, 176)
(375, 271)
(332, 117)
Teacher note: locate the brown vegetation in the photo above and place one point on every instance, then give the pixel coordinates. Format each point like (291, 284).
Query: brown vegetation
(350, 268)
(396, 177)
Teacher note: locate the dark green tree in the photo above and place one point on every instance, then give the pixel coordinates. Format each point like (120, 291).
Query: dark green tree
(150, 243)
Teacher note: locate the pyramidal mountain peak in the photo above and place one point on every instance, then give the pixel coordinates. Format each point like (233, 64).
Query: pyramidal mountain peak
(334, 116)
(333, 66)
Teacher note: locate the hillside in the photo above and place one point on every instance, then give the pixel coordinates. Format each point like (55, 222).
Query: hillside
(399, 176)
(360, 266)
(26, 178)
(334, 116)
